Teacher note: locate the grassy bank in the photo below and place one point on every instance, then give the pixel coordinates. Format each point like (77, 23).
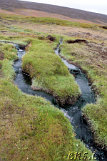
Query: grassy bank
(49, 72)
(92, 58)
(30, 127)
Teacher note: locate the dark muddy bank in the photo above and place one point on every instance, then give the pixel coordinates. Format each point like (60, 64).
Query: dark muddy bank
(82, 130)
(77, 41)
(56, 99)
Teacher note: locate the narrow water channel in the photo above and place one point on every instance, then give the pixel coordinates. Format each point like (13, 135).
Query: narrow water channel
(74, 113)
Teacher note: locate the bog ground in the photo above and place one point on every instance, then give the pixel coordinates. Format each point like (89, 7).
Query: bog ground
(31, 127)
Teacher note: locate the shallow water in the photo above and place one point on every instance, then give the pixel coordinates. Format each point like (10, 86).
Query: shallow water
(73, 113)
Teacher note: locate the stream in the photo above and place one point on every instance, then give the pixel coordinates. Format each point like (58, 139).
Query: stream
(74, 114)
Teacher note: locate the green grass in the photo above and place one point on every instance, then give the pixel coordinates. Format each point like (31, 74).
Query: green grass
(93, 62)
(30, 127)
(47, 20)
(48, 71)
(9, 52)
(36, 129)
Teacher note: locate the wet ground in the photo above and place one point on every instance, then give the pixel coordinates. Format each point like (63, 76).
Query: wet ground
(74, 114)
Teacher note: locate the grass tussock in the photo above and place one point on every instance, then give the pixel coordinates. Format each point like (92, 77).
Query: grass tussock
(48, 71)
(9, 54)
(9, 51)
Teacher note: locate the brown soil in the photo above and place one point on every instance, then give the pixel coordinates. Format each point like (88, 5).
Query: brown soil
(51, 38)
(104, 27)
(1, 56)
(77, 41)
(58, 100)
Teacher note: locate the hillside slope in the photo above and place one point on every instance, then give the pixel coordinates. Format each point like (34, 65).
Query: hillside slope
(69, 12)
